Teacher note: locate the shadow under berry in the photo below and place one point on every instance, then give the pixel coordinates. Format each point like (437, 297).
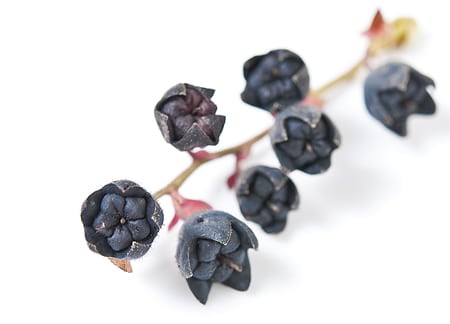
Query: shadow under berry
(429, 130)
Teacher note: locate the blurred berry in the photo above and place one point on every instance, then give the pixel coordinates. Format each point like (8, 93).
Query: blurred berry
(187, 117)
(394, 91)
(304, 138)
(275, 80)
(265, 196)
(212, 248)
(121, 220)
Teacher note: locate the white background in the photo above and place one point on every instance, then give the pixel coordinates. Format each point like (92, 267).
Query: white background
(78, 84)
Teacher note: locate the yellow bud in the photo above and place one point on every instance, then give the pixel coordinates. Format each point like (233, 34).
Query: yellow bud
(395, 34)
(402, 30)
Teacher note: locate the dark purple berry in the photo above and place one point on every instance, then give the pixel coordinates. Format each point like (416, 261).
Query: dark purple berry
(395, 91)
(212, 247)
(265, 196)
(187, 117)
(275, 80)
(304, 138)
(121, 220)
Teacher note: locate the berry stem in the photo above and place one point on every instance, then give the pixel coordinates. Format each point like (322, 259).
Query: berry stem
(196, 163)
(392, 35)
(349, 74)
(178, 181)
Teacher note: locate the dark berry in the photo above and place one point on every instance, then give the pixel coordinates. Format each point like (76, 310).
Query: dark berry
(395, 91)
(121, 220)
(265, 196)
(212, 247)
(275, 80)
(304, 138)
(187, 117)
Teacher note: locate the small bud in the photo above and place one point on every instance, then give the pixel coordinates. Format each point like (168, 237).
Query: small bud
(385, 35)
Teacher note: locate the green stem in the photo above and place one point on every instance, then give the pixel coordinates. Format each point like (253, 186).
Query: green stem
(196, 163)
(346, 76)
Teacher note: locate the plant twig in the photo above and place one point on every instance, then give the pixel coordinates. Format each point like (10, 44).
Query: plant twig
(196, 163)
(346, 76)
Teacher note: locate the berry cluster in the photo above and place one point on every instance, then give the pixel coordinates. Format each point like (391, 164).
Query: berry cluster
(122, 219)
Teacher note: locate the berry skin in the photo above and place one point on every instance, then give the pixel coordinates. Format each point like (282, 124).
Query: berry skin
(121, 220)
(304, 138)
(187, 118)
(275, 80)
(265, 196)
(212, 247)
(395, 91)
